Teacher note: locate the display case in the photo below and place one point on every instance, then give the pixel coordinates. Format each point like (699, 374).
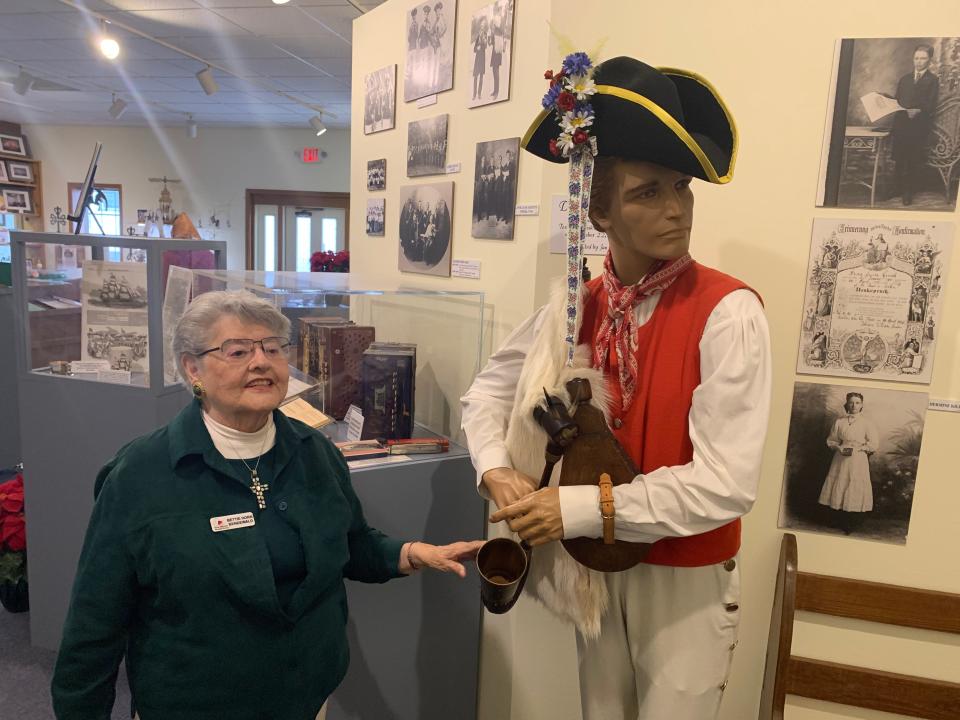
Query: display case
(89, 352)
(403, 356)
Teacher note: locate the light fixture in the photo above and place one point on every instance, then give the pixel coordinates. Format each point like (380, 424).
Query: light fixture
(118, 107)
(207, 81)
(317, 124)
(22, 82)
(108, 46)
(191, 128)
(280, 2)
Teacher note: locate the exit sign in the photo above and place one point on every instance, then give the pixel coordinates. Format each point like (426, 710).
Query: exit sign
(311, 155)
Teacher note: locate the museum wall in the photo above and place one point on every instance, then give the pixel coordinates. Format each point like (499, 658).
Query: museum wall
(216, 168)
(772, 63)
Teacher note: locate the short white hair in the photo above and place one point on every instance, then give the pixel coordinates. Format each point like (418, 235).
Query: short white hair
(192, 333)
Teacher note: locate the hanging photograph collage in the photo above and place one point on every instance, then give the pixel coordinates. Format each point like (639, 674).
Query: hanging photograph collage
(422, 219)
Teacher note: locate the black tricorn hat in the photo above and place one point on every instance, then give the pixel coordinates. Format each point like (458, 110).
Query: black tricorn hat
(666, 116)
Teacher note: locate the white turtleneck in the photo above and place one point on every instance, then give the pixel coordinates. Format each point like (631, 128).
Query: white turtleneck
(237, 445)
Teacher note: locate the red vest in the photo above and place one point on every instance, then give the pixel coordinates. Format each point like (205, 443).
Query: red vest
(654, 429)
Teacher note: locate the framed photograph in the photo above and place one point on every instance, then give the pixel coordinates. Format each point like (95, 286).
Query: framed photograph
(379, 99)
(375, 212)
(852, 458)
(426, 222)
(377, 174)
(430, 31)
(20, 172)
(427, 146)
(892, 132)
(17, 201)
(12, 145)
(495, 188)
(3, 172)
(491, 46)
(142, 216)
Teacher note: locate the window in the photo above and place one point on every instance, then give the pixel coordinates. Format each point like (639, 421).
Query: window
(107, 210)
(269, 242)
(329, 234)
(304, 229)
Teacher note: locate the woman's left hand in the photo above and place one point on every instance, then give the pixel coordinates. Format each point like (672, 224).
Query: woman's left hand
(445, 558)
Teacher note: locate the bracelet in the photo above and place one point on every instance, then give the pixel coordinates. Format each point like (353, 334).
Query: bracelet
(410, 563)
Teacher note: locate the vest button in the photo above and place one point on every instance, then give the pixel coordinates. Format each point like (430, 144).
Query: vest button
(729, 565)
(617, 423)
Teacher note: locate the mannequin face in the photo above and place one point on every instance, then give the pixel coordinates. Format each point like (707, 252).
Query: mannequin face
(649, 214)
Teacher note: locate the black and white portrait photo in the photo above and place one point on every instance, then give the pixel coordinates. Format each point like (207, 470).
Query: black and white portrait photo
(429, 43)
(491, 45)
(426, 222)
(377, 174)
(427, 146)
(495, 188)
(375, 210)
(379, 99)
(852, 458)
(893, 132)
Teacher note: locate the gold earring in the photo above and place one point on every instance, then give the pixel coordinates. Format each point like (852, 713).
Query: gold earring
(198, 391)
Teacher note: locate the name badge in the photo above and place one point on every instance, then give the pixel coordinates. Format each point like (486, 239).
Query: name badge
(231, 522)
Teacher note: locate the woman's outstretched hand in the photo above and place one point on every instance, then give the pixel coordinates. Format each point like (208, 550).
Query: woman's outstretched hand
(445, 558)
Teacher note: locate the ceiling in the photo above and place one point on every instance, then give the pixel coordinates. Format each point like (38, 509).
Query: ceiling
(302, 49)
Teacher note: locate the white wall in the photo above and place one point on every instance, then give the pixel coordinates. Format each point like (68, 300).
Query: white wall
(772, 63)
(216, 168)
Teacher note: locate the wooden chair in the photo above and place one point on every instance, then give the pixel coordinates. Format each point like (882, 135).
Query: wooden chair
(787, 674)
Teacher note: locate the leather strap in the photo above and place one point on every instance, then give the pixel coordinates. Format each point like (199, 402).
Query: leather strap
(607, 511)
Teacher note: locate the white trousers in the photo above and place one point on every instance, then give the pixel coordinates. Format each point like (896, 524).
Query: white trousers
(666, 644)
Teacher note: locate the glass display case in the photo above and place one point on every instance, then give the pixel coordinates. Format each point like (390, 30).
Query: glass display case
(102, 308)
(402, 356)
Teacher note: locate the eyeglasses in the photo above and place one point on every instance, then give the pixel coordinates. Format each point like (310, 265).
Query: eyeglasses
(238, 350)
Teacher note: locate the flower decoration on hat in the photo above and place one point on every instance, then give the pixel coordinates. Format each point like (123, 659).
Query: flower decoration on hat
(569, 98)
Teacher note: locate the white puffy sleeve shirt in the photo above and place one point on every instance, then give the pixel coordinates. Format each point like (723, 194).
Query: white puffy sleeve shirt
(727, 425)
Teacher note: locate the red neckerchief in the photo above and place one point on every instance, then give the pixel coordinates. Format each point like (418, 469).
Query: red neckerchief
(619, 327)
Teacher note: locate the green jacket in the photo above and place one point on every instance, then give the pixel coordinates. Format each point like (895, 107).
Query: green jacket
(197, 612)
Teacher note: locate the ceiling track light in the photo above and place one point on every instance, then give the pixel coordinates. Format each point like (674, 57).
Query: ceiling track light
(191, 128)
(280, 2)
(117, 108)
(22, 82)
(108, 45)
(207, 81)
(316, 122)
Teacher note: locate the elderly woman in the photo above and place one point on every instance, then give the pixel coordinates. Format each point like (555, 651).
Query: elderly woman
(218, 545)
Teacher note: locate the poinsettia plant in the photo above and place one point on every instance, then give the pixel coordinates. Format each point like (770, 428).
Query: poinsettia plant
(13, 534)
(328, 261)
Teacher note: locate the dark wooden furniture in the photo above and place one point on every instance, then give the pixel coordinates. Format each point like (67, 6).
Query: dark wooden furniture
(786, 674)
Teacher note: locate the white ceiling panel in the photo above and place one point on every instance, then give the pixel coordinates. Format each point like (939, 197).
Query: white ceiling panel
(302, 49)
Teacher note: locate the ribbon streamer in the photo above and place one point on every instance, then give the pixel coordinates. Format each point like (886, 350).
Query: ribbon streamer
(578, 210)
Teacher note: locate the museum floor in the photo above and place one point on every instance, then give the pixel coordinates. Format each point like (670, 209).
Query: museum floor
(25, 674)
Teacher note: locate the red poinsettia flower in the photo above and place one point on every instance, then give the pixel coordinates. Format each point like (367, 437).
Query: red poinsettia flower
(11, 495)
(567, 101)
(580, 137)
(554, 150)
(13, 534)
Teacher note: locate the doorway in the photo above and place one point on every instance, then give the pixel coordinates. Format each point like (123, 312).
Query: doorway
(285, 227)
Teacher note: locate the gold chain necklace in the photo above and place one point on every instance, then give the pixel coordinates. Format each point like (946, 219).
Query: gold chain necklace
(256, 487)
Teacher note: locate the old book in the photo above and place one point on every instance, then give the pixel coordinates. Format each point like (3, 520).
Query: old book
(300, 409)
(388, 389)
(307, 359)
(418, 446)
(340, 351)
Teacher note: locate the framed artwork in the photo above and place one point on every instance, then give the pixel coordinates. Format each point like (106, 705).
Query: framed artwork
(429, 41)
(851, 461)
(892, 131)
(377, 174)
(495, 188)
(375, 213)
(17, 201)
(12, 145)
(426, 222)
(19, 172)
(427, 146)
(379, 99)
(491, 49)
